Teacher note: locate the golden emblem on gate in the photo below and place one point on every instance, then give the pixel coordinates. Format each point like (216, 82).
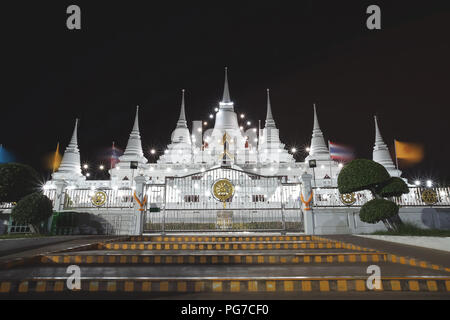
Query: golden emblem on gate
(348, 198)
(223, 189)
(429, 196)
(99, 198)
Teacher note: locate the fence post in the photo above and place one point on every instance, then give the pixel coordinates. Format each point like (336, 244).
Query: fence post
(307, 209)
(140, 183)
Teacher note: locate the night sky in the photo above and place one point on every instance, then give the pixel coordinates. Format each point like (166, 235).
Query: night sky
(129, 54)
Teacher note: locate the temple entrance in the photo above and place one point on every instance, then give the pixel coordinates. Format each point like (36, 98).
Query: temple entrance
(223, 199)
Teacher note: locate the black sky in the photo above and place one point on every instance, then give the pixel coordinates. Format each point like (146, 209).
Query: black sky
(143, 53)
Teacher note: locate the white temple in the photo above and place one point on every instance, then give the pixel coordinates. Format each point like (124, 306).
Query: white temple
(266, 178)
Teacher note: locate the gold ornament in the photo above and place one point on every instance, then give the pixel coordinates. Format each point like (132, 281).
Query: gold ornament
(99, 198)
(223, 190)
(429, 196)
(348, 198)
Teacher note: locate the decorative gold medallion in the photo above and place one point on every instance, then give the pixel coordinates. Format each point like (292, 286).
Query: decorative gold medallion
(348, 198)
(223, 190)
(99, 198)
(429, 196)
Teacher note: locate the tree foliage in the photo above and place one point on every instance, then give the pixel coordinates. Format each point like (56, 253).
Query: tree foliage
(16, 181)
(33, 209)
(361, 174)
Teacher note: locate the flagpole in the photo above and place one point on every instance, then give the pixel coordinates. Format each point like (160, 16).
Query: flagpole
(110, 160)
(395, 150)
(331, 175)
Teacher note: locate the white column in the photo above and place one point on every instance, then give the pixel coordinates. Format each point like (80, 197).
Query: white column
(140, 183)
(306, 192)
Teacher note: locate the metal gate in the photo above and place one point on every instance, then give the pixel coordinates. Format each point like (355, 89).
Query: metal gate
(258, 203)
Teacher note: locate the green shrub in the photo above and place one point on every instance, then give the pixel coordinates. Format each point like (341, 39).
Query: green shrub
(361, 174)
(33, 209)
(378, 210)
(394, 187)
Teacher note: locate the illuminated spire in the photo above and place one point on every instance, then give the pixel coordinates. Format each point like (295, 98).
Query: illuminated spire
(133, 151)
(318, 146)
(270, 123)
(226, 91)
(70, 166)
(182, 120)
(381, 152)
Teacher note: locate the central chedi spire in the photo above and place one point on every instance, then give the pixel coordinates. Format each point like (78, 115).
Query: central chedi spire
(133, 151)
(226, 118)
(70, 167)
(318, 148)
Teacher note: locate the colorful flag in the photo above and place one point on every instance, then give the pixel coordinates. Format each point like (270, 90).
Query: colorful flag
(410, 152)
(5, 156)
(340, 152)
(114, 156)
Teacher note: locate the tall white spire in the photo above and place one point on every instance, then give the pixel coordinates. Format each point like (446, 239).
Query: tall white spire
(381, 152)
(318, 148)
(70, 166)
(226, 91)
(133, 151)
(182, 119)
(270, 123)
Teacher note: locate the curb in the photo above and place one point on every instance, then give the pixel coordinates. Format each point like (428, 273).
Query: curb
(344, 284)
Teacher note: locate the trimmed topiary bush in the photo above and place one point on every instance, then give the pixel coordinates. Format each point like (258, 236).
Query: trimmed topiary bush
(361, 174)
(33, 209)
(378, 210)
(395, 187)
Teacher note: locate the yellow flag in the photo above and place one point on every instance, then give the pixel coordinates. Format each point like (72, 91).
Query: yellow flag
(56, 159)
(411, 152)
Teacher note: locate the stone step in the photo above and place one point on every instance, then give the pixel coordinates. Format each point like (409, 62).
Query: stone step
(197, 258)
(223, 238)
(230, 285)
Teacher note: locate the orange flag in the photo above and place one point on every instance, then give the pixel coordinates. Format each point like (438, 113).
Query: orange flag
(56, 159)
(410, 152)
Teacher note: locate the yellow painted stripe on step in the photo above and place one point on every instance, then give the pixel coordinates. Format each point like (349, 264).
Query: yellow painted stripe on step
(363, 258)
(244, 246)
(288, 286)
(235, 286)
(23, 287)
(58, 286)
(181, 286)
(423, 264)
(133, 247)
(295, 260)
(111, 286)
(306, 285)
(432, 285)
(329, 259)
(209, 246)
(146, 259)
(226, 259)
(295, 246)
(312, 246)
(218, 246)
(66, 259)
(402, 260)
(352, 258)
(89, 259)
(164, 286)
(447, 285)
(217, 286)
(180, 259)
(435, 267)
(306, 259)
(199, 286)
(203, 259)
(129, 286)
(413, 285)
(248, 259)
(395, 285)
(317, 259)
(252, 246)
(324, 285)
(342, 285)
(260, 259)
(112, 259)
(341, 258)
(124, 246)
(271, 259)
(93, 286)
(146, 286)
(134, 259)
(252, 286)
(158, 246)
(283, 260)
(237, 259)
(360, 285)
(123, 259)
(183, 246)
(375, 258)
(5, 287)
(175, 246)
(166, 239)
(271, 286)
(214, 259)
(157, 259)
(227, 246)
(412, 262)
(100, 259)
(168, 259)
(77, 259)
(167, 246)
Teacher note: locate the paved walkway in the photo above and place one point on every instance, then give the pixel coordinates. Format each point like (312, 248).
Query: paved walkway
(438, 257)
